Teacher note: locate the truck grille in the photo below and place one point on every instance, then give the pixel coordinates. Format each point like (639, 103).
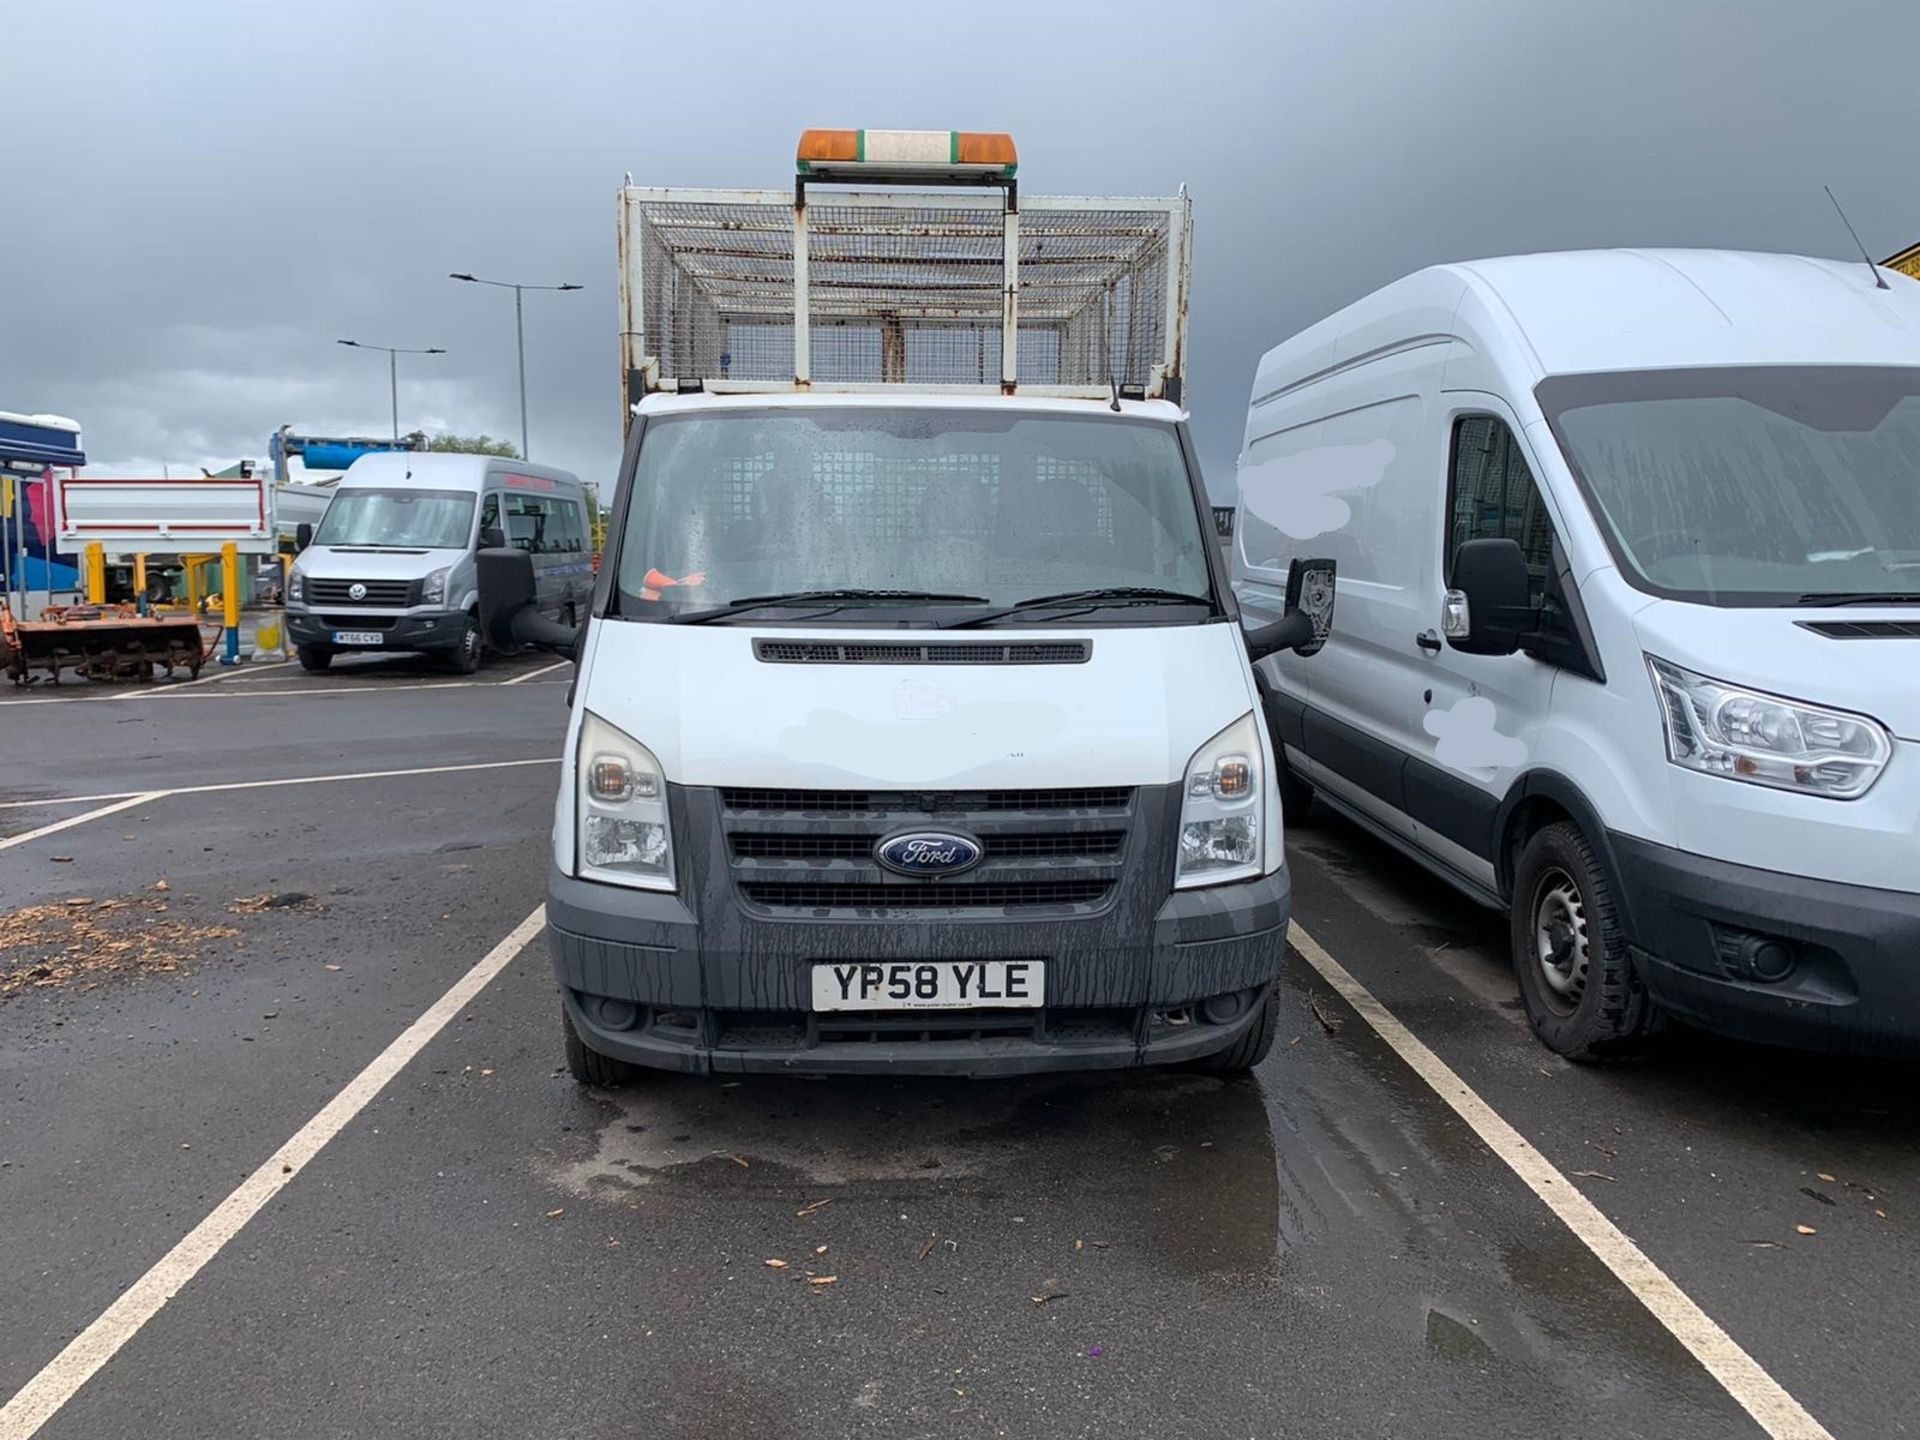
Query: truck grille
(392, 594)
(812, 850)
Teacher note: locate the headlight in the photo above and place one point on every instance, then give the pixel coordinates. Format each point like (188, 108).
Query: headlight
(435, 590)
(1747, 735)
(296, 585)
(624, 835)
(1220, 811)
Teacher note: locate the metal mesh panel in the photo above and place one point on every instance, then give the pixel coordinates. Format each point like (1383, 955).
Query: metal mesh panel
(907, 293)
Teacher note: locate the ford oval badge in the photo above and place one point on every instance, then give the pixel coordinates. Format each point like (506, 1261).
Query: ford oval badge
(929, 853)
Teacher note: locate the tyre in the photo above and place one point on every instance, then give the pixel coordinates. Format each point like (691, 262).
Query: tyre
(1577, 982)
(465, 657)
(312, 657)
(590, 1067)
(1251, 1048)
(569, 617)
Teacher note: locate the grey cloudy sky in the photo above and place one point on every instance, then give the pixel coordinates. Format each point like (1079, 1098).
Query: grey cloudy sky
(202, 197)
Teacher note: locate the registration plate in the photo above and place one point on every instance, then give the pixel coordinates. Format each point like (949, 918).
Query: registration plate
(358, 637)
(930, 985)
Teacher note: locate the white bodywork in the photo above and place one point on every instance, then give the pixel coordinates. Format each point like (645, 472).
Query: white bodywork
(145, 515)
(713, 714)
(1346, 455)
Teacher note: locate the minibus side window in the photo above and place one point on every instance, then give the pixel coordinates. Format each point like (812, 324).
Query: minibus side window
(489, 516)
(1492, 495)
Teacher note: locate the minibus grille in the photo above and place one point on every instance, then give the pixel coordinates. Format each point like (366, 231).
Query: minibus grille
(389, 593)
(816, 850)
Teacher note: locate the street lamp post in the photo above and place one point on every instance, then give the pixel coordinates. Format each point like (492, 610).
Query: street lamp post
(393, 372)
(519, 336)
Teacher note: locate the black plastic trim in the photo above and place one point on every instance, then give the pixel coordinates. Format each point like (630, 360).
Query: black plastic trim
(1373, 765)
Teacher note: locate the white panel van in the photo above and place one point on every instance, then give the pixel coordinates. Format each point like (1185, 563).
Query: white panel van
(1628, 550)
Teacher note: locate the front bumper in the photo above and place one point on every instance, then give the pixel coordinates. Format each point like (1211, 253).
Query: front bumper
(1851, 953)
(733, 995)
(428, 630)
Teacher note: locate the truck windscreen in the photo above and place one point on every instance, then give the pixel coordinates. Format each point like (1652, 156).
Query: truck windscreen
(975, 503)
(398, 519)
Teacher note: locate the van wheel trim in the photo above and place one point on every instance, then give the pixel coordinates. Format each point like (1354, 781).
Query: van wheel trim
(1560, 939)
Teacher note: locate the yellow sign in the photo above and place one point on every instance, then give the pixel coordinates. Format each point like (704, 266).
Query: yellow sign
(6, 496)
(1907, 262)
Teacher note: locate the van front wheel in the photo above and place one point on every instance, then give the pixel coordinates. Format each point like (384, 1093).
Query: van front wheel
(590, 1067)
(312, 657)
(465, 657)
(1577, 982)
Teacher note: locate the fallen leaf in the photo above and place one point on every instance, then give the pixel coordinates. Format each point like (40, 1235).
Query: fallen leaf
(79, 900)
(1047, 1297)
(823, 1280)
(556, 1214)
(486, 1072)
(1806, 1230)
(1828, 1178)
(774, 1264)
(927, 1249)
(1079, 1244)
(1329, 1023)
(271, 1015)
(813, 1208)
(161, 885)
(738, 1161)
(61, 859)
(1764, 1244)
(333, 967)
(1881, 1213)
(1593, 1175)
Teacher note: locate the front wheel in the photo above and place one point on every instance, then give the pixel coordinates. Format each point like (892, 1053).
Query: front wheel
(465, 657)
(590, 1067)
(312, 657)
(1577, 982)
(1251, 1048)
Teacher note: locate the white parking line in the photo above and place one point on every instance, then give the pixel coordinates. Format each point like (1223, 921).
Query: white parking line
(125, 803)
(137, 795)
(1738, 1373)
(536, 674)
(41, 1398)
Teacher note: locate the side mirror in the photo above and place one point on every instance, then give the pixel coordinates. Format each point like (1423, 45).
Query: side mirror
(509, 619)
(302, 536)
(1308, 618)
(1486, 610)
(493, 538)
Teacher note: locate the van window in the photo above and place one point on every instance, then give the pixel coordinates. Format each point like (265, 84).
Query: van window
(1492, 495)
(1001, 505)
(570, 535)
(527, 523)
(489, 515)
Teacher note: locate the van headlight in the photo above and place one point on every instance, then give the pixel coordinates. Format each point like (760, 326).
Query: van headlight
(296, 585)
(624, 835)
(1721, 729)
(1220, 809)
(434, 591)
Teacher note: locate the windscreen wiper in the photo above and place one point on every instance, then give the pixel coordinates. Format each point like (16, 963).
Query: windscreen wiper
(1860, 597)
(838, 599)
(1095, 599)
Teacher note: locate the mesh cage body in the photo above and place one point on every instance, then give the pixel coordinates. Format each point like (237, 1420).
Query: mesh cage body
(905, 289)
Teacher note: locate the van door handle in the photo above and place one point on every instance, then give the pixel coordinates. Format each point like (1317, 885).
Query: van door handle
(1428, 641)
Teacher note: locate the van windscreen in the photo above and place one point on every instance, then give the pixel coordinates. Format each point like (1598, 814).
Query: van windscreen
(996, 506)
(1751, 486)
(398, 519)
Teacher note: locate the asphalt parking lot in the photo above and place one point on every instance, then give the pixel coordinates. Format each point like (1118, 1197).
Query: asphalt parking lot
(278, 882)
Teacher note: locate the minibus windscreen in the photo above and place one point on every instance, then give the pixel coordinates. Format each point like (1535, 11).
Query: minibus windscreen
(398, 519)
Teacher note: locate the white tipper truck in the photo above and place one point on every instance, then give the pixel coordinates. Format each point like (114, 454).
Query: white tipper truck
(914, 728)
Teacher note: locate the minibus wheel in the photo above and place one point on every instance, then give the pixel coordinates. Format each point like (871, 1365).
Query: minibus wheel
(465, 657)
(312, 657)
(1577, 981)
(590, 1067)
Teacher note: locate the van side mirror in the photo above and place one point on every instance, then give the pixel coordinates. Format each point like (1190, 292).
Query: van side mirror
(1486, 610)
(302, 536)
(509, 619)
(1308, 619)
